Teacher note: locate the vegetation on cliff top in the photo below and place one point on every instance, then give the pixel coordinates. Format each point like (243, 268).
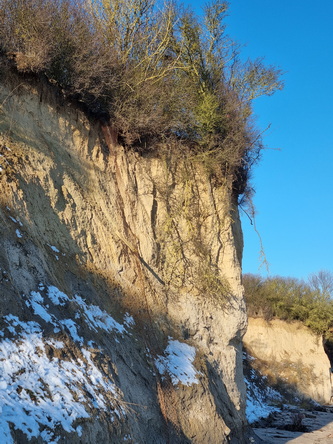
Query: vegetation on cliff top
(153, 71)
(291, 299)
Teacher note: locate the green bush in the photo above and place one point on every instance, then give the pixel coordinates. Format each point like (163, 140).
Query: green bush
(291, 299)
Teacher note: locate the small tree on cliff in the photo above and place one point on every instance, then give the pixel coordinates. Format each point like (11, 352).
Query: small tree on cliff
(322, 282)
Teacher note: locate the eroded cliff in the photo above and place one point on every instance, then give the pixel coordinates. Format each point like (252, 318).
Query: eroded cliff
(120, 283)
(291, 356)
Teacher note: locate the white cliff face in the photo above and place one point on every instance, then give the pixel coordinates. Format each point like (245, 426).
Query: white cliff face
(293, 354)
(147, 237)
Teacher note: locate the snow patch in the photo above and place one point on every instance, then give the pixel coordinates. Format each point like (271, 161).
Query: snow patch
(261, 400)
(72, 329)
(97, 318)
(178, 362)
(79, 431)
(16, 221)
(57, 296)
(39, 393)
(36, 302)
(16, 326)
(257, 403)
(129, 320)
(55, 344)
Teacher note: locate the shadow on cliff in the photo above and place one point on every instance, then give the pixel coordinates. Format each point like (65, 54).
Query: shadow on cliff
(288, 378)
(220, 394)
(153, 400)
(127, 360)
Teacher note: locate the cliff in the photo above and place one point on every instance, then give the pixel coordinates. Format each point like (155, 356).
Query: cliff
(122, 307)
(291, 356)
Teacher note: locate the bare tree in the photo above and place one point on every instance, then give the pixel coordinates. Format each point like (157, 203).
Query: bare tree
(322, 282)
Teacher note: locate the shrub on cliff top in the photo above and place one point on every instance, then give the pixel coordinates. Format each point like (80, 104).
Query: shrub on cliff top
(291, 299)
(157, 71)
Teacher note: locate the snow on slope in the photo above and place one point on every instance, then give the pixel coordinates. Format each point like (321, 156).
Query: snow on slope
(178, 362)
(39, 391)
(261, 400)
(259, 403)
(95, 318)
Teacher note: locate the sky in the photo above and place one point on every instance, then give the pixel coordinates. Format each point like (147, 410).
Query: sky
(294, 180)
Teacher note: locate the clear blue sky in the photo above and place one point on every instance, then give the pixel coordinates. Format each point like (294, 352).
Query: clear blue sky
(294, 184)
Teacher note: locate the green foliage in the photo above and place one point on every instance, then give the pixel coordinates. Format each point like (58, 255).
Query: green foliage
(291, 299)
(156, 71)
(212, 284)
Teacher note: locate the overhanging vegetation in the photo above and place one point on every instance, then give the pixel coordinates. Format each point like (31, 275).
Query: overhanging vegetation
(153, 71)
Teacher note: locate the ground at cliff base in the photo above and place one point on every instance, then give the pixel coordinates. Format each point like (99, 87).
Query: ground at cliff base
(282, 417)
(318, 426)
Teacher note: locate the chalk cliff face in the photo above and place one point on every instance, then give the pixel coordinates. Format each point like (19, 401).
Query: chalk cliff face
(120, 285)
(291, 353)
